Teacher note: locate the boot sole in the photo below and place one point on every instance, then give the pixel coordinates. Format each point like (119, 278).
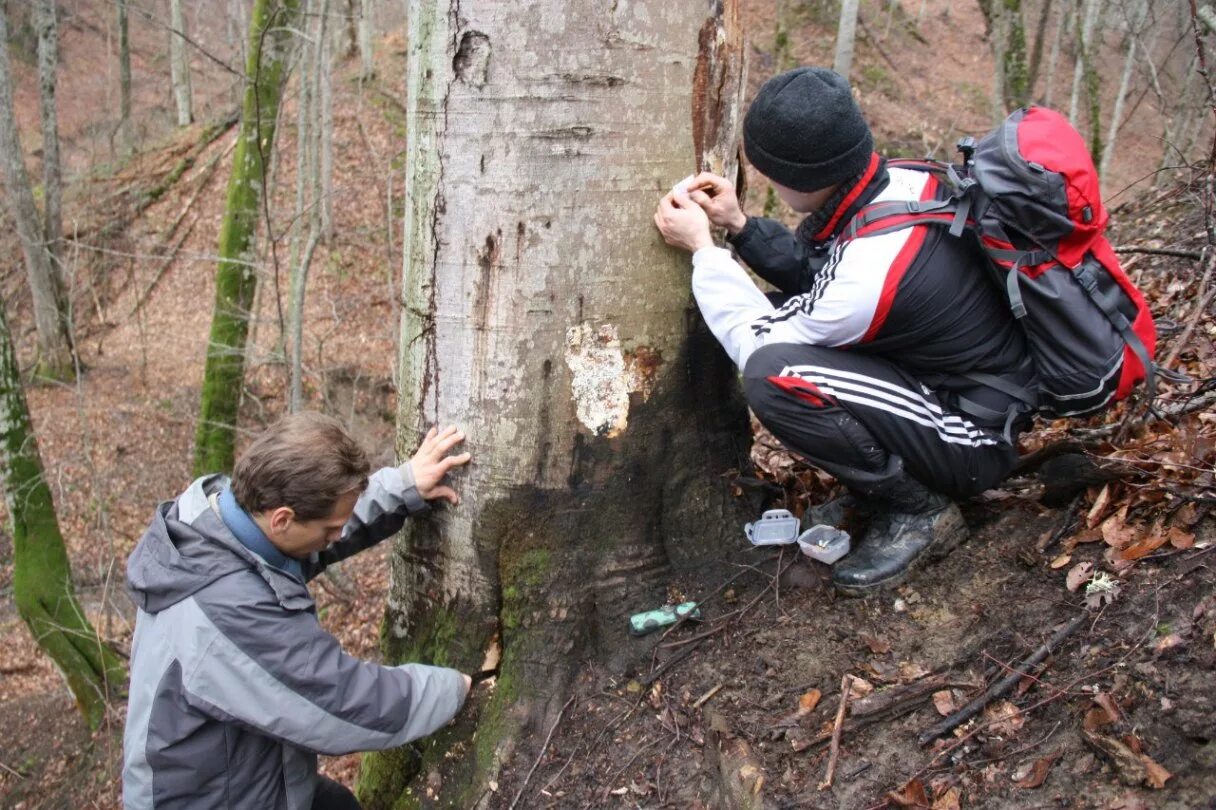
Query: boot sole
(932, 553)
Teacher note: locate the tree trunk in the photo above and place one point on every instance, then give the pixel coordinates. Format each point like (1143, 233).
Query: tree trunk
(309, 191)
(179, 64)
(1135, 24)
(845, 35)
(270, 39)
(549, 321)
(54, 341)
(1068, 17)
(1036, 53)
(42, 577)
(1016, 86)
(125, 141)
(52, 178)
(1084, 68)
(367, 67)
(325, 124)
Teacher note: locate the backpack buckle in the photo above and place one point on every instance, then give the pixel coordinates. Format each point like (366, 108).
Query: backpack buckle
(967, 147)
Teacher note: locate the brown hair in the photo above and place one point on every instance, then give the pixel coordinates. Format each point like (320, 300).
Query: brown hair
(305, 461)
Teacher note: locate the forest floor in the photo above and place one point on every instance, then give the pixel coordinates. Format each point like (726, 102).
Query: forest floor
(1120, 715)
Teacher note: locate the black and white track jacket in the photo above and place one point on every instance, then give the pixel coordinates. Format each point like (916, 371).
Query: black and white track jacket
(917, 296)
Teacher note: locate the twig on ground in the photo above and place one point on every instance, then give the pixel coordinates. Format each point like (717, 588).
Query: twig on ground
(15, 773)
(540, 755)
(1019, 751)
(1002, 686)
(1181, 254)
(846, 686)
(701, 701)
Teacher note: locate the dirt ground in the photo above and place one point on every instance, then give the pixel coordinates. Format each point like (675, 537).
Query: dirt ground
(1120, 715)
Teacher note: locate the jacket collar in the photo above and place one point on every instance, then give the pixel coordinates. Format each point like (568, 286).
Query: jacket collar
(243, 528)
(826, 223)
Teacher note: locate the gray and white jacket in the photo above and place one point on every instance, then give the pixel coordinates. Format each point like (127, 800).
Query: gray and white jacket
(235, 686)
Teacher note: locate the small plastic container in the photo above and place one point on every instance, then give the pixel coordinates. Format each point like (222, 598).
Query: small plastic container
(776, 527)
(827, 544)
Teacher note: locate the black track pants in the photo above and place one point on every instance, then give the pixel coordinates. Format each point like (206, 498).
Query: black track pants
(861, 418)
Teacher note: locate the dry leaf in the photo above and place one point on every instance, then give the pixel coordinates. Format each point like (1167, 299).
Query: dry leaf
(808, 702)
(1115, 532)
(910, 795)
(943, 701)
(1104, 700)
(948, 800)
(1096, 718)
(1143, 547)
(1038, 772)
(1086, 536)
(1154, 774)
(859, 688)
(877, 646)
(1179, 538)
(909, 671)
(1099, 508)
(1004, 718)
(1078, 575)
(1061, 561)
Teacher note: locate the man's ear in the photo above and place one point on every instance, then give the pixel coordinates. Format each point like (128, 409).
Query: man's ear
(280, 518)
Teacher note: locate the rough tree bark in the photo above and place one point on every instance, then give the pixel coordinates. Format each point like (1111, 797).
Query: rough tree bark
(42, 576)
(179, 64)
(543, 314)
(1092, 11)
(1009, 40)
(845, 37)
(52, 178)
(270, 38)
(1036, 53)
(54, 341)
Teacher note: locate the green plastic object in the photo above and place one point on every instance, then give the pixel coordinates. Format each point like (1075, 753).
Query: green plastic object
(642, 623)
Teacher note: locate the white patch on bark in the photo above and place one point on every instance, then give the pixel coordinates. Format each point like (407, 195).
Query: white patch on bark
(602, 378)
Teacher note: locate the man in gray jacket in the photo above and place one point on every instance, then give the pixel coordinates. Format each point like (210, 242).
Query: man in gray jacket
(235, 686)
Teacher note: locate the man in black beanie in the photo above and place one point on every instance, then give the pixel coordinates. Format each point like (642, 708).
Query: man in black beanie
(864, 360)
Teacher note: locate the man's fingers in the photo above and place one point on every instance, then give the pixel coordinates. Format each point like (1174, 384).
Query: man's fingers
(446, 494)
(453, 461)
(700, 198)
(709, 180)
(447, 441)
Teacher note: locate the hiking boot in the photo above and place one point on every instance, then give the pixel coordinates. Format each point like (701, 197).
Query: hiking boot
(912, 525)
(850, 511)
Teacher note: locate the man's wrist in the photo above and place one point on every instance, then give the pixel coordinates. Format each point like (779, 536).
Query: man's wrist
(736, 227)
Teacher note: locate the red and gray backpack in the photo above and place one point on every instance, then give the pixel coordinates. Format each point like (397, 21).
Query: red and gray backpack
(1029, 192)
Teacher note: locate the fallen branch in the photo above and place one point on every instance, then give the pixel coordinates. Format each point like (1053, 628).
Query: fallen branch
(1001, 687)
(1181, 254)
(846, 687)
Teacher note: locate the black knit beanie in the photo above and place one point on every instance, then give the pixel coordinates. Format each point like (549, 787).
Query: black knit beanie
(805, 132)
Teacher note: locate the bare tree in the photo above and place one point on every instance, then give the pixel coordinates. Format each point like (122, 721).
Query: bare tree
(52, 176)
(845, 36)
(179, 64)
(125, 140)
(270, 38)
(54, 340)
(1135, 25)
(367, 66)
(548, 319)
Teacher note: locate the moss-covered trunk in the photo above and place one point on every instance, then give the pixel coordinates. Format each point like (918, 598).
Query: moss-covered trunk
(544, 315)
(270, 37)
(42, 577)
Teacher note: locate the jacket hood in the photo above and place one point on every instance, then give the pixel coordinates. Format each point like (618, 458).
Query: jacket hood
(187, 547)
